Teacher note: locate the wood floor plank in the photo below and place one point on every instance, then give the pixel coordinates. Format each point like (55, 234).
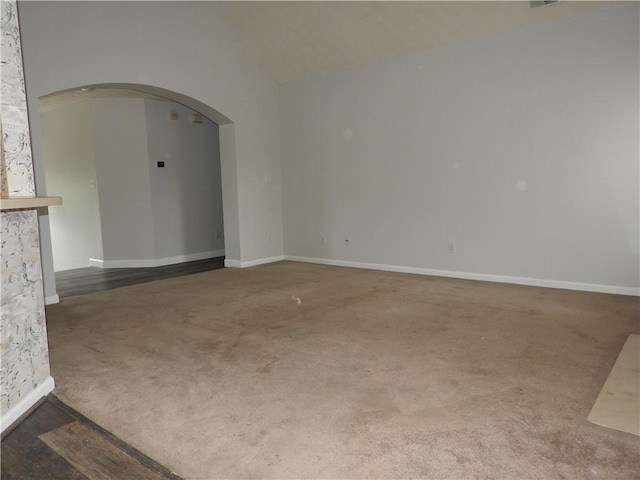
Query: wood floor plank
(36, 462)
(618, 405)
(120, 444)
(94, 456)
(24, 456)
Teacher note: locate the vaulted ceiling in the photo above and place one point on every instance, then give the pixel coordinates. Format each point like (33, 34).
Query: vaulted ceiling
(298, 39)
(304, 38)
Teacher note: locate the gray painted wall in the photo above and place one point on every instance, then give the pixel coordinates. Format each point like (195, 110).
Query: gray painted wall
(187, 47)
(67, 136)
(521, 149)
(187, 193)
(120, 140)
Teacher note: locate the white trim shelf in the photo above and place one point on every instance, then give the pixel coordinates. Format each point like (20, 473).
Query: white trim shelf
(17, 203)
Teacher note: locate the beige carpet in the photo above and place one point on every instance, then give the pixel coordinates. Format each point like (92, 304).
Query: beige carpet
(618, 405)
(304, 371)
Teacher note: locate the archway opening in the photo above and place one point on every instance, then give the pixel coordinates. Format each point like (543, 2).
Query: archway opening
(147, 187)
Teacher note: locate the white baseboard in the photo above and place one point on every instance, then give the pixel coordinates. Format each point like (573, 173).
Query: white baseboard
(23, 406)
(262, 261)
(155, 262)
(534, 282)
(52, 300)
(252, 263)
(95, 262)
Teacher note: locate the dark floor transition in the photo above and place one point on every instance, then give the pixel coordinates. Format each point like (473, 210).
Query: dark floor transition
(56, 442)
(81, 281)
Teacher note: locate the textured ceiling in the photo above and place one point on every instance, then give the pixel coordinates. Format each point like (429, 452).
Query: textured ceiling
(301, 39)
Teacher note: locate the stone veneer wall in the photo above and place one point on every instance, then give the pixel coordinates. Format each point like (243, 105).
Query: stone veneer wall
(23, 349)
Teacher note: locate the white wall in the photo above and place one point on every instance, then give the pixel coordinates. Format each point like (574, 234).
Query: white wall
(121, 154)
(522, 149)
(67, 138)
(187, 193)
(187, 47)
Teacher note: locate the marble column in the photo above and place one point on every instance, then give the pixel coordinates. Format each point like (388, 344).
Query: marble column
(24, 371)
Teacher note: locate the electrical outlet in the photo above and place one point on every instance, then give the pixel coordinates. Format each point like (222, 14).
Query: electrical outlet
(323, 240)
(452, 247)
(347, 241)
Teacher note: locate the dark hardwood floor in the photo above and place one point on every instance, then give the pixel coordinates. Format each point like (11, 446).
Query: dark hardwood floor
(91, 279)
(57, 443)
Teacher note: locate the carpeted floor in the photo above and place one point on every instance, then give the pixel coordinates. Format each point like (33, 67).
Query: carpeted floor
(293, 370)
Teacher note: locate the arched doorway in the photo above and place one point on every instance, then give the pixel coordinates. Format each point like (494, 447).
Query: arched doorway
(226, 150)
